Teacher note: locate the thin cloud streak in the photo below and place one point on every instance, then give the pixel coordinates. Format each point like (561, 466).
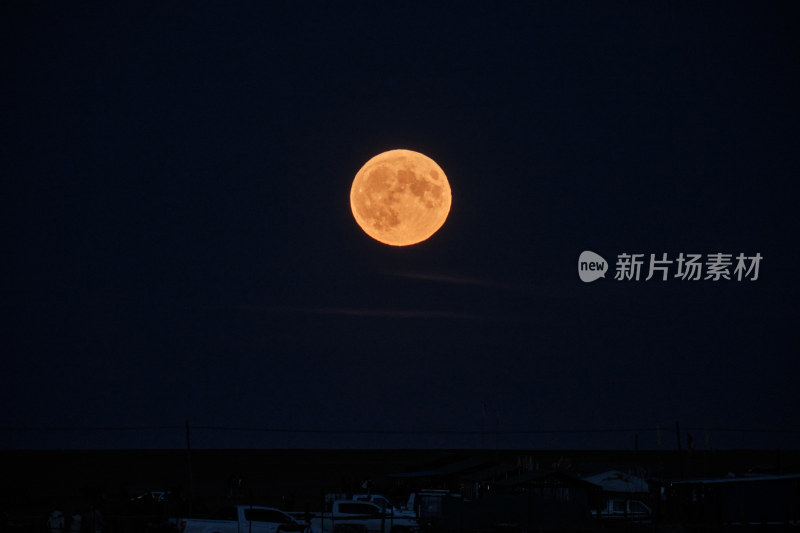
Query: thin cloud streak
(341, 311)
(470, 281)
(394, 313)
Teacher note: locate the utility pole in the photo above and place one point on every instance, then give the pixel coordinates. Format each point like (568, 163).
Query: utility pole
(189, 465)
(680, 455)
(483, 425)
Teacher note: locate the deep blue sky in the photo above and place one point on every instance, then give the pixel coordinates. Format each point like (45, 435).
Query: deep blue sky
(178, 243)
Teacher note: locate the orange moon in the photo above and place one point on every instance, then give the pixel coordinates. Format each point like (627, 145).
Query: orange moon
(400, 197)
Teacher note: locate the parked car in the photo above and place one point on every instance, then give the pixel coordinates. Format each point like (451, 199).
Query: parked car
(383, 501)
(620, 509)
(360, 516)
(243, 519)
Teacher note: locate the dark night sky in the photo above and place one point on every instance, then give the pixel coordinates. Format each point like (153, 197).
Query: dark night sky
(178, 243)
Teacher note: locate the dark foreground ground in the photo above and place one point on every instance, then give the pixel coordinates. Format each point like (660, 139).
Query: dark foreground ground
(36, 482)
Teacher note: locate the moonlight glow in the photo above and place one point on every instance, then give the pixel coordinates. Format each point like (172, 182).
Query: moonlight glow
(400, 197)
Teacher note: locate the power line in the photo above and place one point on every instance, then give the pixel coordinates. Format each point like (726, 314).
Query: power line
(342, 431)
(744, 430)
(414, 432)
(88, 428)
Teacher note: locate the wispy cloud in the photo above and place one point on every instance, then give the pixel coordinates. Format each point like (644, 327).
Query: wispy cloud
(455, 279)
(397, 313)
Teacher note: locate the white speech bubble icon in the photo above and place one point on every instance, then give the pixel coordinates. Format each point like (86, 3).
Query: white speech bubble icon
(591, 266)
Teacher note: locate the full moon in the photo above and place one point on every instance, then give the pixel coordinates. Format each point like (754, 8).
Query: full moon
(400, 197)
